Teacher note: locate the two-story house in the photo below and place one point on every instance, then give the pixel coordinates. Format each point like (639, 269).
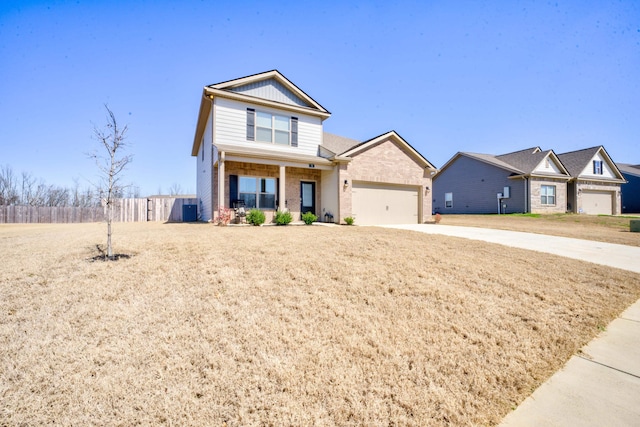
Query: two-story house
(260, 140)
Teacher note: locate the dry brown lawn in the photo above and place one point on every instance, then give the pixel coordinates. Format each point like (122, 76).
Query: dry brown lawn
(611, 229)
(294, 325)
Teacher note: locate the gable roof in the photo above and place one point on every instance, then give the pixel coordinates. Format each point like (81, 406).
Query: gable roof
(576, 161)
(238, 87)
(522, 162)
(626, 168)
(393, 135)
(287, 96)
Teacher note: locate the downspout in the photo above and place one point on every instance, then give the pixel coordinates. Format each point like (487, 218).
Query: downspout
(526, 195)
(213, 214)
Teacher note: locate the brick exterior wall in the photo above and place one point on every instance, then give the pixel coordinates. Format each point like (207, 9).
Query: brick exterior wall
(388, 163)
(293, 176)
(535, 195)
(599, 186)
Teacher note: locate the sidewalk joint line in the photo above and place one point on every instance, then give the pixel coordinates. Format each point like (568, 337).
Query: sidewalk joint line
(630, 320)
(607, 366)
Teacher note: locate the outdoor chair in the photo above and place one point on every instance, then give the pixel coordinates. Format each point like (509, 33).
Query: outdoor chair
(240, 211)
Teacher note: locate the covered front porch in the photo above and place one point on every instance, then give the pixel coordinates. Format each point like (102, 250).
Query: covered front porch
(271, 183)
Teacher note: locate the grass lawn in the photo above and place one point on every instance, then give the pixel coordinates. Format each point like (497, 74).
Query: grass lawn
(602, 228)
(294, 325)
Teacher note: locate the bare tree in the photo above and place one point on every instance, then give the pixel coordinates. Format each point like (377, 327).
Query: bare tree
(110, 166)
(9, 194)
(133, 192)
(175, 189)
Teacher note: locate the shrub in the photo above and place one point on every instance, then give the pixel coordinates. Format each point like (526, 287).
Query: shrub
(349, 220)
(283, 217)
(255, 217)
(309, 217)
(224, 216)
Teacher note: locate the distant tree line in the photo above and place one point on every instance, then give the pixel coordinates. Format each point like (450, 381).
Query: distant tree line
(25, 189)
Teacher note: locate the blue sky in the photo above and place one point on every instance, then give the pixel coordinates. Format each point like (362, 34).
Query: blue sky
(488, 77)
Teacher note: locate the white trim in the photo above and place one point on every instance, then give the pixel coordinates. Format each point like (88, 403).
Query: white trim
(275, 74)
(398, 139)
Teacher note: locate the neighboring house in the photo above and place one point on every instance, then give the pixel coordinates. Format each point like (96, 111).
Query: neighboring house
(630, 192)
(595, 182)
(529, 180)
(260, 140)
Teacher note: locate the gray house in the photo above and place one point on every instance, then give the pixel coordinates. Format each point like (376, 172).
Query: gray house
(529, 180)
(595, 182)
(630, 192)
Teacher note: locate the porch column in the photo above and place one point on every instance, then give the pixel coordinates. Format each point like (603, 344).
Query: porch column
(281, 190)
(221, 180)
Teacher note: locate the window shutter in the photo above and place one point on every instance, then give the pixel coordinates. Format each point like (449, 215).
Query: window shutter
(594, 167)
(251, 124)
(294, 131)
(233, 189)
(277, 193)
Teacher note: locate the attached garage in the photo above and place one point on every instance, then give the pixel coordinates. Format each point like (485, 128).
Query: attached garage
(375, 203)
(597, 202)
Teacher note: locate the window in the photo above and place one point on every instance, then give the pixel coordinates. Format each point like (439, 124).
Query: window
(272, 128)
(257, 192)
(548, 195)
(448, 200)
(597, 167)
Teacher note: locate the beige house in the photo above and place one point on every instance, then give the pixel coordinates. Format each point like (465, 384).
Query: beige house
(595, 182)
(259, 142)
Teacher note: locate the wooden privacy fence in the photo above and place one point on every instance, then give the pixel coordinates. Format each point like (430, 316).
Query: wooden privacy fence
(160, 209)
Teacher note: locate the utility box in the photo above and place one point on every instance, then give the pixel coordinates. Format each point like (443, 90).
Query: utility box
(634, 225)
(189, 213)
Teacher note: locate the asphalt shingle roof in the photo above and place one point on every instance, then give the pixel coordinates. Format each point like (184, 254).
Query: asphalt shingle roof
(576, 161)
(630, 169)
(338, 144)
(524, 160)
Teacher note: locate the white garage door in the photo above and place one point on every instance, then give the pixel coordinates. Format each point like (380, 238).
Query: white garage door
(596, 202)
(375, 203)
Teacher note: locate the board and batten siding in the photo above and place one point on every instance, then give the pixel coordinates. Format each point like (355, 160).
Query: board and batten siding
(474, 185)
(204, 166)
(607, 172)
(270, 89)
(231, 128)
(547, 166)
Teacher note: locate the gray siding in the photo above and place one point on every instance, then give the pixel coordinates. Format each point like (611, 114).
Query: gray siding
(630, 193)
(474, 185)
(270, 89)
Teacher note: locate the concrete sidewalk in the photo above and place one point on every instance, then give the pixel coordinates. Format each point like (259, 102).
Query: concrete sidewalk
(599, 386)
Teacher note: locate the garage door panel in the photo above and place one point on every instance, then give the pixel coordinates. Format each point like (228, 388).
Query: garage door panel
(597, 202)
(374, 203)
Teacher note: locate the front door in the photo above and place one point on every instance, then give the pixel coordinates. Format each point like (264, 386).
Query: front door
(307, 197)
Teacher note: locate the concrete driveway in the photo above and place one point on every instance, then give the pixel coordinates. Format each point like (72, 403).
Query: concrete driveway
(612, 255)
(599, 386)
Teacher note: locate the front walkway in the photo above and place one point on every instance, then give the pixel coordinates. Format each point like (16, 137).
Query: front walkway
(600, 386)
